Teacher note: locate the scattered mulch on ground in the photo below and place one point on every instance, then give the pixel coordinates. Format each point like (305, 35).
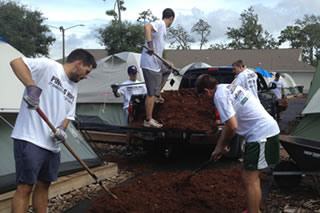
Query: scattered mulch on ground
(208, 191)
(184, 110)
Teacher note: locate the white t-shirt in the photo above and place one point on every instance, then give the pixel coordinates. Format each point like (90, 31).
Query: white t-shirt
(248, 80)
(128, 91)
(57, 101)
(277, 91)
(254, 122)
(158, 39)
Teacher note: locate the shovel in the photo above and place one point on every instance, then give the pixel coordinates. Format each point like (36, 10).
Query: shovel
(171, 66)
(45, 118)
(122, 85)
(164, 61)
(204, 165)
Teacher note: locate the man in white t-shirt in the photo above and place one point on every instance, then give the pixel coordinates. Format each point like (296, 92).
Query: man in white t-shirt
(128, 88)
(154, 71)
(243, 114)
(245, 77)
(52, 87)
(279, 90)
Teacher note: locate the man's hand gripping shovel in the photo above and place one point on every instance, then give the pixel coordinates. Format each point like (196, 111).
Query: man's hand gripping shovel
(45, 118)
(174, 70)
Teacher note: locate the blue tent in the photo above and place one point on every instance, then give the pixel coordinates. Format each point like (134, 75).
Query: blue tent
(2, 39)
(264, 72)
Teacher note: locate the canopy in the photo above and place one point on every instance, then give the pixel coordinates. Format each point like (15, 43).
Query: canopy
(264, 72)
(314, 104)
(193, 66)
(309, 126)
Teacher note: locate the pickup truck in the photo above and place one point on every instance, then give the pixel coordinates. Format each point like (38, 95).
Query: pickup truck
(164, 139)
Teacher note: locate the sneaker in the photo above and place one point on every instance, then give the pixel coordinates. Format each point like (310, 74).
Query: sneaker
(158, 100)
(152, 123)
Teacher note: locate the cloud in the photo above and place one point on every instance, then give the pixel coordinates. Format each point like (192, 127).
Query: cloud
(274, 16)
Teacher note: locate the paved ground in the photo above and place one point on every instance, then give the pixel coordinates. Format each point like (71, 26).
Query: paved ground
(295, 107)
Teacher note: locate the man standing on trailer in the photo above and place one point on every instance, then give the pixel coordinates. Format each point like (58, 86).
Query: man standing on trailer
(154, 71)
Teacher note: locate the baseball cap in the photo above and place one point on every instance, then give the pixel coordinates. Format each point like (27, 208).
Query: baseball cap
(132, 69)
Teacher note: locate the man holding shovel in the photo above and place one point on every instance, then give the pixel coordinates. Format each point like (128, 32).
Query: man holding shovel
(128, 88)
(154, 71)
(51, 87)
(243, 114)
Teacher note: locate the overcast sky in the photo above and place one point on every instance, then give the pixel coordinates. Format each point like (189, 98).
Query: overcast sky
(274, 15)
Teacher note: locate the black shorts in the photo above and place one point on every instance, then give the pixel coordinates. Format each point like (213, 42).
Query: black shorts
(35, 163)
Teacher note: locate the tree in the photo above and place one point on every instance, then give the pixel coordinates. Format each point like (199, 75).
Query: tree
(203, 29)
(218, 46)
(179, 38)
(146, 17)
(251, 34)
(293, 35)
(305, 35)
(119, 37)
(118, 4)
(24, 29)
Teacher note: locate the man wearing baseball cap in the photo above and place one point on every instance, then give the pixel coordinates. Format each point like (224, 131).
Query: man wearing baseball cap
(130, 87)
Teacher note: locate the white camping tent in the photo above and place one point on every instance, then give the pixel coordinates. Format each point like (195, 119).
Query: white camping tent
(10, 94)
(95, 97)
(10, 98)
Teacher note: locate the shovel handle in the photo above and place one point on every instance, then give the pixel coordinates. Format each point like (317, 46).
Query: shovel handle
(163, 60)
(45, 118)
(204, 165)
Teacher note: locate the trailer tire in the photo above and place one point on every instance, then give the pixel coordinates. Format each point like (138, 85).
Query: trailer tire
(287, 181)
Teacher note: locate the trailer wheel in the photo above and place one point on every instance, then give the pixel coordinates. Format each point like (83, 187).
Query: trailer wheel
(287, 181)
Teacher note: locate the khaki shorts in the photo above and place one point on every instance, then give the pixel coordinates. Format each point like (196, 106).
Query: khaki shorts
(261, 154)
(154, 80)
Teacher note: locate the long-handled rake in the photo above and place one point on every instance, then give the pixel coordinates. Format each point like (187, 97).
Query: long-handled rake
(45, 118)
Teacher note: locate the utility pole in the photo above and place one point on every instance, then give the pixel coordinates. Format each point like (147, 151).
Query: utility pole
(62, 29)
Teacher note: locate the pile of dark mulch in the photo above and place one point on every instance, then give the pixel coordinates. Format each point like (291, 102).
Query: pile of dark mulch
(219, 190)
(183, 110)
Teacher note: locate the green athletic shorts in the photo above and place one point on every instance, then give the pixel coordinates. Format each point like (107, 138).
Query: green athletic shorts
(260, 154)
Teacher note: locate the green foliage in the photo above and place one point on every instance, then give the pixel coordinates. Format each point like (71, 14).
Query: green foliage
(179, 38)
(203, 29)
(146, 17)
(251, 34)
(218, 46)
(24, 29)
(118, 5)
(122, 36)
(305, 35)
(293, 35)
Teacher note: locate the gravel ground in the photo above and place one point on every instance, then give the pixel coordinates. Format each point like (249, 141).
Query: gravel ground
(303, 198)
